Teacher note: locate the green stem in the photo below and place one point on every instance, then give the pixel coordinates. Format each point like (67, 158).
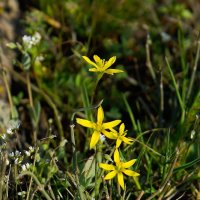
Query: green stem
(95, 87)
(98, 159)
(194, 70)
(30, 96)
(47, 98)
(177, 91)
(40, 186)
(148, 61)
(29, 90)
(74, 165)
(31, 179)
(13, 113)
(118, 190)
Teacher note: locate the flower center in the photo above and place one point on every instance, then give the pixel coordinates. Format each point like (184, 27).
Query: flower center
(101, 65)
(119, 166)
(98, 127)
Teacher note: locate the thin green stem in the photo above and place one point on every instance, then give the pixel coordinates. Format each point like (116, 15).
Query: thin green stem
(194, 70)
(177, 91)
(95, 87)
(118, 190)
(46, 97)
(130, 113)
(40, 186)
(31, 179)
(73, 147)
(98, 159)
(13, 113)
(30, 96)
(148, 59)
(29, 90)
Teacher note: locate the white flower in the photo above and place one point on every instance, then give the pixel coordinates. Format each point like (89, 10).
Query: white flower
(30, 41)
(27, 153)
(102, 138)
(36, 38)
(17, 153)
(31, 149)
(39, 58)
(21, 193)
(25, 167)
(27, 40)
(9, 131)
(11, 154)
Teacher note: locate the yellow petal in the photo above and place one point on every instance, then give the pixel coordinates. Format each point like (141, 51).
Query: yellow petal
(118, 143)
(97, 59)
(109, 62)
(113, 71)
(85, 123)
(93, 70)
(109, 135)
(129, 163)
(130, 173)
(114, 132)
(106, 166)
(112, 124)
(110, 175)
(116, 156)
(89, 61)
(120, 178)
(127, 140)
(94, 139)
(100, 115)
(121, 129)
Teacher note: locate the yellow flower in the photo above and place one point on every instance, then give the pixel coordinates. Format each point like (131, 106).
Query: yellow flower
(119, 169)
(102, 65)
(119, 136)
(99, 127)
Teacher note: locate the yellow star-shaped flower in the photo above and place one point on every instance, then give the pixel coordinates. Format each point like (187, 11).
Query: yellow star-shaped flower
(119, 169)
(119, 136)
(99, 127)
(101, 65)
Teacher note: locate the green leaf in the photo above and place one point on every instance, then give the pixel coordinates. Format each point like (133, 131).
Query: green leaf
(187, 165)
(11, 45)
(26, 61)
(89, 168)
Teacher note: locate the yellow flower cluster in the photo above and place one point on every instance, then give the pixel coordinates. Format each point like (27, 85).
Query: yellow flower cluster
(108, 130)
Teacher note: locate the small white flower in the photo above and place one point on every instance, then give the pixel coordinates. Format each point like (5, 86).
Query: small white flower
(30, 41)
(27, 40)
(102, 138)
(39, 58)
(17, 153)
(11, 154)
(9, 131)
(36, 38)
(31, 149)
(21, 193)
(25, 167)
(27, 153)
